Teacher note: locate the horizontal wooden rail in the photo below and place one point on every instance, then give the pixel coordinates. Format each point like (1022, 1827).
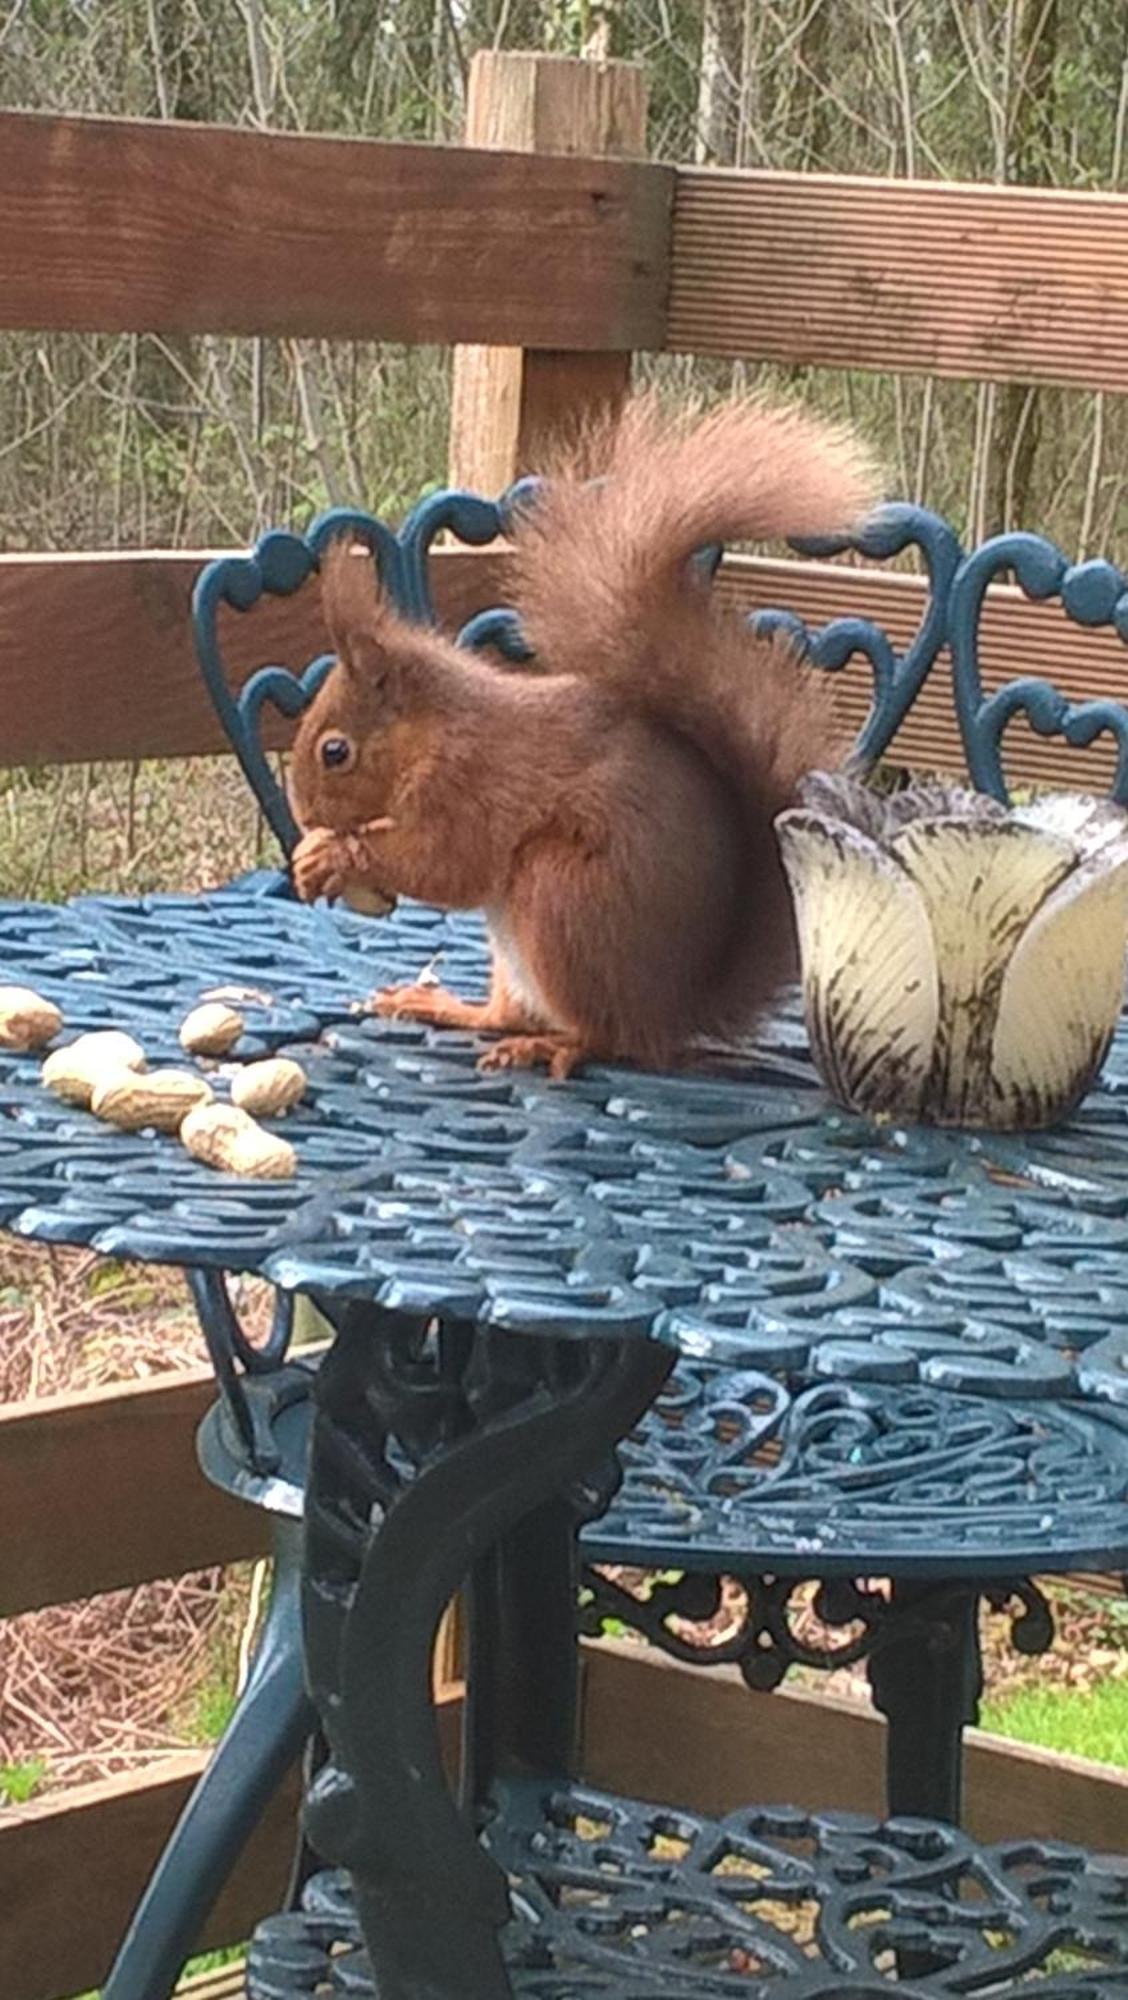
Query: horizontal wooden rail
(926, 277)
(141, 225)
(111, 633)
(131, 225)
(71, 1865)
(659, 1731)
(101, 1489)
(96, 658)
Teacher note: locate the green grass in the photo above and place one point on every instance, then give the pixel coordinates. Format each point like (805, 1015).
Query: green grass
(20, 1782)
(1089, 1722)
(214, 1961)
(208, 1961)
(208, 1710)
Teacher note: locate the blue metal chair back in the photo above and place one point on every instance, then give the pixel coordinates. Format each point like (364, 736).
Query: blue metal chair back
(1092, 593)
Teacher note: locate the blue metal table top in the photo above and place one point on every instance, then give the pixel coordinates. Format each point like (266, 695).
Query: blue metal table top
(828, 1281)
(741, 1218)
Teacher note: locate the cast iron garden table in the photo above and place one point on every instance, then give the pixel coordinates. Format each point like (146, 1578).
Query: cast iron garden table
(928, 1332)
(931, 1326)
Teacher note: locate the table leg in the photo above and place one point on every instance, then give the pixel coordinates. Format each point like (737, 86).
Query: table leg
(927, 1680)
(522, 1683)
(522, 1692)
(431, 1446)
(261, 1742)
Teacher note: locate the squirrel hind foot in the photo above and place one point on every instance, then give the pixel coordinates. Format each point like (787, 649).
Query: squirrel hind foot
(561, 1054)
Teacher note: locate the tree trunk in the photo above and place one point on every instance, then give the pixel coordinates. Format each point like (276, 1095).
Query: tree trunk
(718, 83)
(1032, 159)
(160, 385)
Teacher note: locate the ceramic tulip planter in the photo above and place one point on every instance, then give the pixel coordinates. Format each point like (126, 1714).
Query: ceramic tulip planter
(962, 963)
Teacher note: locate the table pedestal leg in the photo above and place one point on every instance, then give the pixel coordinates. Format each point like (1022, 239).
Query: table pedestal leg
(927, 1680)
(431, 1447)
(522, 1693)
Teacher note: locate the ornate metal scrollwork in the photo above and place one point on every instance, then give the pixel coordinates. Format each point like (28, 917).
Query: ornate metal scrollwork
(278, 565)
(898, 676)
(743, 1220)
(1031, 1614)
(1092, 593)
(768, 1620)
(614, 1900)
(764, 1625)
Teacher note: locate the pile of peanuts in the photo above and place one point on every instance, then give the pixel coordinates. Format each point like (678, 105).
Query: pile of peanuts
(106, 1073)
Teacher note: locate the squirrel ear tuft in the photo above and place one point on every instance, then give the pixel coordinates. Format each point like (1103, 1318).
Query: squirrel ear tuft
(350, 596)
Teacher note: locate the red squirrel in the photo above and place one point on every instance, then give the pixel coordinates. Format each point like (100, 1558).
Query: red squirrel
(613, 814)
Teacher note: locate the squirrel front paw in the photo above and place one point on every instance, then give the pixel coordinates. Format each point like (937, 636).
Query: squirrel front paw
(327, 863)
(319, 864)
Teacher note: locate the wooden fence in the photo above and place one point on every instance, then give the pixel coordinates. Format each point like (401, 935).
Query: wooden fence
(547, 256)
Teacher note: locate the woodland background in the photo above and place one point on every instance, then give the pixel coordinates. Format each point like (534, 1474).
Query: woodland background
(122, 441)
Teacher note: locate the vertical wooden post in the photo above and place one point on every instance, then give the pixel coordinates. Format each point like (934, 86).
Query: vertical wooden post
(507, 401)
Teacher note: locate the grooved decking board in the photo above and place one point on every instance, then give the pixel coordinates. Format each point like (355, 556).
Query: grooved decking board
(991, 283)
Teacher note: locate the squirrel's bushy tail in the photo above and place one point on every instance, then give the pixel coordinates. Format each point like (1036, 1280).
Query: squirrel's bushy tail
(596, 559)
(606, 591)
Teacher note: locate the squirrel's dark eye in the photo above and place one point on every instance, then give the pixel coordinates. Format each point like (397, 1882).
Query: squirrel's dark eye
(337, 753)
